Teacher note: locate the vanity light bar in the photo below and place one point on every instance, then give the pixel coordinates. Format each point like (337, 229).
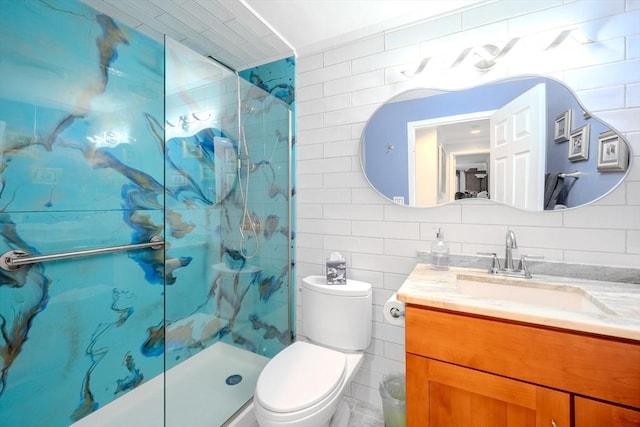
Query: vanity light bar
(490, 54)
(575, 34)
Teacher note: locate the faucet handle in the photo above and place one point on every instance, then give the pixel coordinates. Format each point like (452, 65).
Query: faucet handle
(522, 266)
(495, 262)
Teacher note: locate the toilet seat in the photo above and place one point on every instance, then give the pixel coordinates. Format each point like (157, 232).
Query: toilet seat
(301, 376)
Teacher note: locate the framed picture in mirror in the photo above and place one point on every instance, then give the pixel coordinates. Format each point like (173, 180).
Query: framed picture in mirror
(579, 144)
(562, 127)
(612, 155)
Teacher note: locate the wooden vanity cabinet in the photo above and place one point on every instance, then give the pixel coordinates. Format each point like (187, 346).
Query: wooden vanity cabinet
(465, 370)
(450, 395)
(591, 413)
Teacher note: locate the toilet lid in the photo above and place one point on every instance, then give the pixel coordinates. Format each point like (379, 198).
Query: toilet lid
(300, 376)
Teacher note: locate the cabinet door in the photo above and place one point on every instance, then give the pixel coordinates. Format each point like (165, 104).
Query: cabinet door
(444, 395)
(590, 413)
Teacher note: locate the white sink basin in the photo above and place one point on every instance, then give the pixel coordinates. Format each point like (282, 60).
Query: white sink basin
(569, 298)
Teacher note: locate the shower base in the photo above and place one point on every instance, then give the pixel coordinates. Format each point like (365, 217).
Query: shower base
(203, 391)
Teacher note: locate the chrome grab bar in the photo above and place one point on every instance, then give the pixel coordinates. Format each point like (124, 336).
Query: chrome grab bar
(15, 259)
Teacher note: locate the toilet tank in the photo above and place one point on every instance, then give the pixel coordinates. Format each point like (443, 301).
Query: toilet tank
(337, 316)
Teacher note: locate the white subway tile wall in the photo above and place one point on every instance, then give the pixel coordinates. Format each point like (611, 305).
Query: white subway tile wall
(338, 89)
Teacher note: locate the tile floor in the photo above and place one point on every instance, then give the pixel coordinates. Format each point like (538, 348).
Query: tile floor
(363, 415)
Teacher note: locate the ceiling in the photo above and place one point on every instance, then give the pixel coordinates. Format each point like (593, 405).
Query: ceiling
(245, 33)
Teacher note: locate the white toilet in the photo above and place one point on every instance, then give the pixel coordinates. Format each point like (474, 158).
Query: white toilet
(303, 385)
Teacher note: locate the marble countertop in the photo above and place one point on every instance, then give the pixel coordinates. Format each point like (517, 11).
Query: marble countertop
(617, 312)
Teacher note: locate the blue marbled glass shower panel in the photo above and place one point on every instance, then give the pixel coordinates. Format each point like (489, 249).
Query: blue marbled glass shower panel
(278, 79)
(96, 151)
(82, 163)
(81, 97)
(230, 140)
(87, 320)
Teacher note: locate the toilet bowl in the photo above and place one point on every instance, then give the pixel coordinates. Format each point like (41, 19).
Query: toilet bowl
(303, 385)
(309, 380)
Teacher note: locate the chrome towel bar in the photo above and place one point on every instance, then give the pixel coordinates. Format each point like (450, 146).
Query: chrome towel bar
(15, 259)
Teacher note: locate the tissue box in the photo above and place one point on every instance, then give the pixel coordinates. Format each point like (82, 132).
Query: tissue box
(336, 272)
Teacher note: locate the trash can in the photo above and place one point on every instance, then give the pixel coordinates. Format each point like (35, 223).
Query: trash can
(393, 393)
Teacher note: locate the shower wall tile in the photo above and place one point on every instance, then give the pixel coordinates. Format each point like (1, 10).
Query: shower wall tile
(384, 59)
(311, 92)
(324, 165)
(349, 211)
(353, 83)
(425, 31)
(633, 191)
(306, 78)
(336, 102)
(362, 48)
(337, 133)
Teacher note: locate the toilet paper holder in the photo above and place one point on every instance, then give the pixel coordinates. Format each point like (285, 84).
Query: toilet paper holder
(396, 312)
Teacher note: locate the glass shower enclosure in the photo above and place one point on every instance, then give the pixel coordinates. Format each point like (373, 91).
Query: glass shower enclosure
(145, 233)
(228, 147)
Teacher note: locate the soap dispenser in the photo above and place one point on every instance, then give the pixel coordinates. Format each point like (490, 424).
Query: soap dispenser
(439, 253)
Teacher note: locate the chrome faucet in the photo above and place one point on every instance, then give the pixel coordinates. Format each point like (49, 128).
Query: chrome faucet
(522, 270)
(510, 245)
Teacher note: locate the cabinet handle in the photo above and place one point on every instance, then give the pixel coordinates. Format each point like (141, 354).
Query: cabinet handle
(553, 423)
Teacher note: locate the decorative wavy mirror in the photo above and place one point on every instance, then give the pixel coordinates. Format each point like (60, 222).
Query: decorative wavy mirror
(526, 142)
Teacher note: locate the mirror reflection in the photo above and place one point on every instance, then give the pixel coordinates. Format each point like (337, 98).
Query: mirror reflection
(526, 142)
